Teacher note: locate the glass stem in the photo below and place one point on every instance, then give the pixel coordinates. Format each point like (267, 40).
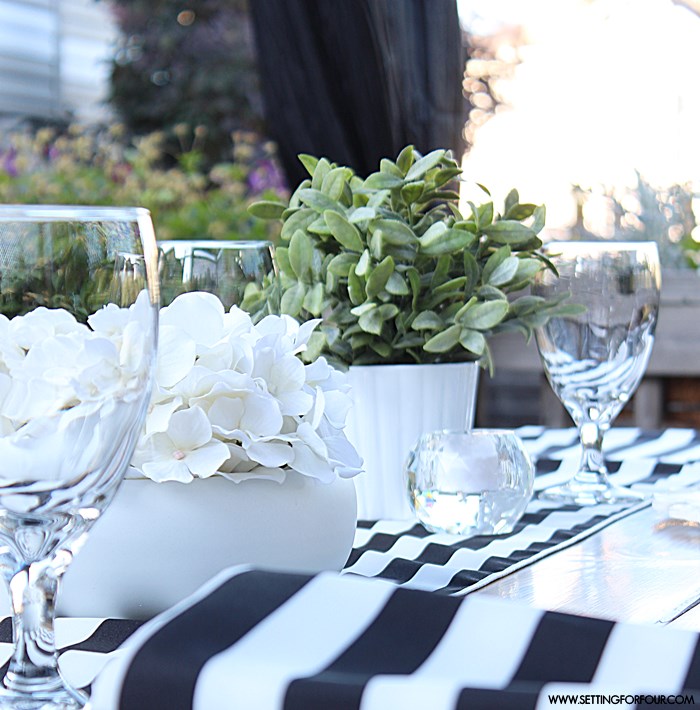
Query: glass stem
(592, 468)
(34, 665)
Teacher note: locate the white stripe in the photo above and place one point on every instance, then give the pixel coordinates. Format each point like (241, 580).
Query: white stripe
(632, 471)
(80, 668)
(482, 648)
(74, 630)
(567, 469)
(652, 658)
(669, 440)
(298, 639)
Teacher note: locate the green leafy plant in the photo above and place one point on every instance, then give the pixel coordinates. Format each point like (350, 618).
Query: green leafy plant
(396, 271)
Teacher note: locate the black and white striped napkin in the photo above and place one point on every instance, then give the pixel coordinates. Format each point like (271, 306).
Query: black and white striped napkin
(267, 640)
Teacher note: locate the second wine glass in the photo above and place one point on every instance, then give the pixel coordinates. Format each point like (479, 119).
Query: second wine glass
(594, 361)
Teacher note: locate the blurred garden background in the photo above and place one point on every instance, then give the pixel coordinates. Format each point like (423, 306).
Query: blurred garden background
(197, 108)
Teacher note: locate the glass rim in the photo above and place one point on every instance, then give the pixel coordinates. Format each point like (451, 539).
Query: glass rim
(603, 244)
(71, 213)
(215, 243)
(476, 431)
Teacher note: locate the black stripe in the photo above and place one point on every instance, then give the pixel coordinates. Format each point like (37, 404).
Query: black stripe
(164, 671)
(564, 648)
(398, 641)
(692, 677)
(6, 630)
(107, 637)
(520, 696)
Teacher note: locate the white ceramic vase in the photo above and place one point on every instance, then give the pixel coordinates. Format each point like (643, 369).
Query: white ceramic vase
(392, 406)
(158, 542)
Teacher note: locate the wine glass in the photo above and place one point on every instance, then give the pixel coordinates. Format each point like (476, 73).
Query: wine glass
(595, 360)
(238, 272)
(75, 381)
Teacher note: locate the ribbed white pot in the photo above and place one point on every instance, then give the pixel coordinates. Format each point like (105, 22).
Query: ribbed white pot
(158, 542)
(392, 406)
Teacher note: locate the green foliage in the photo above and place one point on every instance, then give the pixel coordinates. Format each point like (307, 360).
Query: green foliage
(99, 167)
(397, 272)
(58, 280)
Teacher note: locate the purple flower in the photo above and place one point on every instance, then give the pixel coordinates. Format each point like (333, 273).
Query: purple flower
(8, 160)
(265, 176)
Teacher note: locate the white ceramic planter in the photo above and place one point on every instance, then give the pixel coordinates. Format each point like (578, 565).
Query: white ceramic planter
(158, 542)
(392, 406)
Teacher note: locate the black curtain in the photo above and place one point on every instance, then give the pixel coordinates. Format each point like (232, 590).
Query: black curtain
(356, 80)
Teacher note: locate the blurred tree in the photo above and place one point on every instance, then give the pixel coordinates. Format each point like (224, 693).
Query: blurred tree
(356, 80)
(187, 62)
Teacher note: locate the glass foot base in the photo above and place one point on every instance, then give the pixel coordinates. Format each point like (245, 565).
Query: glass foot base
(577, 493)
(63, 699)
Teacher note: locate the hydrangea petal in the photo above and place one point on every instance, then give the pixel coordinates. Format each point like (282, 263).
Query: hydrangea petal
(189, 429)
(199, 314)
(206, 460)
(176, 354)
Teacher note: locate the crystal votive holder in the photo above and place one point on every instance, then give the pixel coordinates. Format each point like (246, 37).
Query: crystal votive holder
(469, 483)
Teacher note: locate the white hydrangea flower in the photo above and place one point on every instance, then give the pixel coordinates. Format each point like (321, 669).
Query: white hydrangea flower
(267, 410)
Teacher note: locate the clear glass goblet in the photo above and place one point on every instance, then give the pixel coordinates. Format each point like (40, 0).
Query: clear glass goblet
(238, 272)
(79, 302)
(595, 360)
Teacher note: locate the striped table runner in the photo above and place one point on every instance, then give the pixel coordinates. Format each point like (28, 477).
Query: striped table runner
(253, 639)
(408, 555)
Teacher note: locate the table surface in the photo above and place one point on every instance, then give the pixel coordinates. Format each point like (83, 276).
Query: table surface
(640, 569)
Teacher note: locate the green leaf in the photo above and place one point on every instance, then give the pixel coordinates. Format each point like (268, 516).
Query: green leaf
(282, 259)
(540, 215)
(341, 264)
(504, 272)
(334, 182)
(319, 202)
(414, 280)
(483, 316)
(293, 299)
(395, 232)
(508, 232)
(267, 209)
(388, 167)
(397, 286)
(360, 214)
(362, 308)
(313, 300)
(322, 169)
(444, 175)
(345, 233)
(412, 191)
(301, 219)
(421, 167)
(444, 341)
(309, 162)
(377, 279)
(485, 212)
(471, 270)
(472, 340)
(373, 320)
(364, 263)
(448, 242)
(512, 199)
(380, 347)
(300, 254)
(520, 212)
(452, 286)
(382, 181)
(428, 320)
(528, 268)
(494, 261)
(491, 293)
(405, 159)
(356, 288)
(319, 226)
